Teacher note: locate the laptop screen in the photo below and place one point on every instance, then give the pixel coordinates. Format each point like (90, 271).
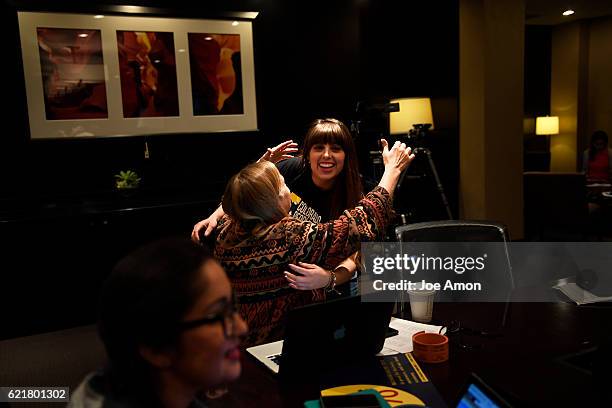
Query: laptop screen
(480, 395)
(323, 336)
(474, 397)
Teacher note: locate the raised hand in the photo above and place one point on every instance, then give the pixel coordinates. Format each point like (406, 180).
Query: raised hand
(282, 151)
(398, 157)
(396, 160)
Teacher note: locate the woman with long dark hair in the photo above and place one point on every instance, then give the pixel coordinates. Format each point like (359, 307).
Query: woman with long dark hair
(170, 329)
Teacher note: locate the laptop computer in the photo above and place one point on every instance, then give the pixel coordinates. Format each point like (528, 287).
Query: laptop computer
(478, 394)
(325, 335)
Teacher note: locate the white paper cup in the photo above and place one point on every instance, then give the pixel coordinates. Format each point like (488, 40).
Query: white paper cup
(421, 304)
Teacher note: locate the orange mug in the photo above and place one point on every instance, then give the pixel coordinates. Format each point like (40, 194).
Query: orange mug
(430, 347)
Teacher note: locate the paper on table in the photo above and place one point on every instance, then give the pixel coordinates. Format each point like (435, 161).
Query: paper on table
(580, 295)
(402, 343)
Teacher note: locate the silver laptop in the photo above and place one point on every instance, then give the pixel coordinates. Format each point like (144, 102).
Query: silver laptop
(268, 353)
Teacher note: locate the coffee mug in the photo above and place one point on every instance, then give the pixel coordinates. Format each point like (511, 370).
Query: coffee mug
(430, 347)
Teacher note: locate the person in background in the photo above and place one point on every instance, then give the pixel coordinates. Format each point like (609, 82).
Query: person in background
(257, 239)
(324, 182)
(597, 159)
(170, 329)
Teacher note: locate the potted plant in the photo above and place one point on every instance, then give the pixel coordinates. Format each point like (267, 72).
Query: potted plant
(127, 181)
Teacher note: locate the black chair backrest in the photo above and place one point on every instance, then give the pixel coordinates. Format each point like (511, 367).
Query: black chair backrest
(462, 231)
(498, 279)
(453, 231)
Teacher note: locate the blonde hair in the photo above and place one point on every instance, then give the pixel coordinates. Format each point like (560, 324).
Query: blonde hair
(252, 196)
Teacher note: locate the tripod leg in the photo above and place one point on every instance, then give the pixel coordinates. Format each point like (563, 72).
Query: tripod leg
(439, 186)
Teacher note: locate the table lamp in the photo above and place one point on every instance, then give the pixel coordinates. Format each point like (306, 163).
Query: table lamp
(547, 125)
(413, 111)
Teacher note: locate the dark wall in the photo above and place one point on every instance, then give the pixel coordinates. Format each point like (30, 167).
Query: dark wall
(410, 48)
(537, 70)
(538, 54)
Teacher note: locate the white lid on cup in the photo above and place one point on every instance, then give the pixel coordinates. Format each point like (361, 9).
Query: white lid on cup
(418, 290)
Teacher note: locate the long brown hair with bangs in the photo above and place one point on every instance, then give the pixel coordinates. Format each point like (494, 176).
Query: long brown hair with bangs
(347, 189)
(252, 196)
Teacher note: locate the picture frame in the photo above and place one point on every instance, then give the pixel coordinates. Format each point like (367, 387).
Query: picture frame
(90, 75)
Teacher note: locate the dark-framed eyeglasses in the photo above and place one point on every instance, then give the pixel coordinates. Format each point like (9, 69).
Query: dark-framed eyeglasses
(227, 317)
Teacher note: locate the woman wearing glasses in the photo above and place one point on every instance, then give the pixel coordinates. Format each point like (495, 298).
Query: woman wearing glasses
(258, 239)
(170, 329)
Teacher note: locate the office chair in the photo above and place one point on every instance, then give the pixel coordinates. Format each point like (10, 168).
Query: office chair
(449, 233)
(453, 231)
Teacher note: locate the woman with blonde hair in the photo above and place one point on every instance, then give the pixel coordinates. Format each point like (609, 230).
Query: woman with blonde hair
(257, 239)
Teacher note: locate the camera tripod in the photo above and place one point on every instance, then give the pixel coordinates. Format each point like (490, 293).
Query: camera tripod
(414, 138)
(376, 162)
(434, 172)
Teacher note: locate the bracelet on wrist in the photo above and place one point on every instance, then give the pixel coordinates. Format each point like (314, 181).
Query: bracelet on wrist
(331, 286)
(329, 282)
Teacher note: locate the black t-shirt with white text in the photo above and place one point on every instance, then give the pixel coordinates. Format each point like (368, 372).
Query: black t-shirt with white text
(308, 202)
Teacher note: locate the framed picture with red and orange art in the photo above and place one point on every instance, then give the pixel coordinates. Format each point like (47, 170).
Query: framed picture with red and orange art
(92, 75)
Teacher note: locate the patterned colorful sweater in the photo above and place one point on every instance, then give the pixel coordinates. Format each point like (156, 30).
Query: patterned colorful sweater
(256, 264)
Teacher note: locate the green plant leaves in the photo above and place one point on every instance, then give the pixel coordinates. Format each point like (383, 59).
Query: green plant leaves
(127, 179)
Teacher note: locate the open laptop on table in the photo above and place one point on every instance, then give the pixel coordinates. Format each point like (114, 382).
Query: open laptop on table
(326, 335)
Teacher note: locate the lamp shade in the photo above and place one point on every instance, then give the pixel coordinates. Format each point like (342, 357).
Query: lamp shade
(412, 111)
(547, 125)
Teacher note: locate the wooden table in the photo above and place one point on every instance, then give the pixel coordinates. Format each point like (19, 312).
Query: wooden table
(522, 362)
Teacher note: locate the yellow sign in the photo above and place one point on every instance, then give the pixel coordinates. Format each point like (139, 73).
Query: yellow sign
(393, 396)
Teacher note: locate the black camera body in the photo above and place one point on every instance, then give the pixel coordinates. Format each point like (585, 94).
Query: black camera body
(418, 134)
